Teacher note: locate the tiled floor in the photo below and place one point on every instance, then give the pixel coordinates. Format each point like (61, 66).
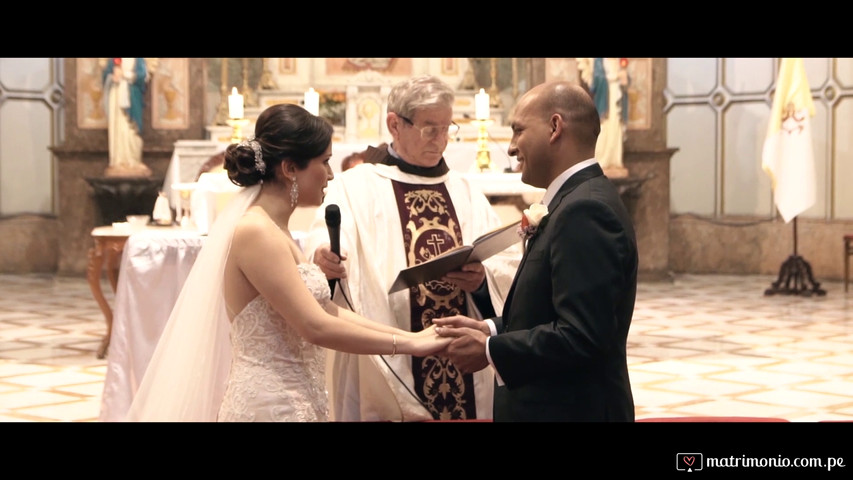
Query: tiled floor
(703, 345)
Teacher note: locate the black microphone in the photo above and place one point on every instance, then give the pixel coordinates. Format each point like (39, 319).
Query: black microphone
(333, 223)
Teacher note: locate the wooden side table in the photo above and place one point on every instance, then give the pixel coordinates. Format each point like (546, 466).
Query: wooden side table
(109, 244)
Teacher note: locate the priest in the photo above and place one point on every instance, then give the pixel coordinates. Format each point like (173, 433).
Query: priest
(402, 208)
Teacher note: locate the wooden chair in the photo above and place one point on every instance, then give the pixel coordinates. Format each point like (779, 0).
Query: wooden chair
(848, 252)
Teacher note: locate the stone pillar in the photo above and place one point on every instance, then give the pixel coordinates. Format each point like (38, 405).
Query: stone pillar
(651, 210)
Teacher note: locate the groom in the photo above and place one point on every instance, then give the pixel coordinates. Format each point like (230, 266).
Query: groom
(559, 348)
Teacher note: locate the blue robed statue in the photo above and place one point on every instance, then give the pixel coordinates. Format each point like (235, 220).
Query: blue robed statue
(125, 82)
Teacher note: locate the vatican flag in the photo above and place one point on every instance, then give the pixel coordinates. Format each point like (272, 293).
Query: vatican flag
(787, 155)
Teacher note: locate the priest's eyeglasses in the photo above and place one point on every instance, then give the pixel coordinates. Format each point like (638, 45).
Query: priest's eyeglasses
(431, 132)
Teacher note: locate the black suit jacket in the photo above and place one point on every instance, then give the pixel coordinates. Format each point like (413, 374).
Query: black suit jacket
(561, 347)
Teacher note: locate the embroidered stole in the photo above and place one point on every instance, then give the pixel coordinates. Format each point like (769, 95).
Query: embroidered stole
(431, 227)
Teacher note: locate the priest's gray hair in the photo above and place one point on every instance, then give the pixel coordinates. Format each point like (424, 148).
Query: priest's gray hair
(419, 92)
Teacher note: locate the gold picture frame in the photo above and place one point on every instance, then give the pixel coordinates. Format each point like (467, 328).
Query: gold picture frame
(450, 66)
(287, 66)
(639, 93)
(91, 113)
(169, 94)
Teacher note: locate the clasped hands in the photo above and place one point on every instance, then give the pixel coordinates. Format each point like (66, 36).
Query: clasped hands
(459, 338)
(467, 350)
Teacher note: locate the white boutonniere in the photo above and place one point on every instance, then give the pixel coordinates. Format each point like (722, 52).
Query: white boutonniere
(531, 219)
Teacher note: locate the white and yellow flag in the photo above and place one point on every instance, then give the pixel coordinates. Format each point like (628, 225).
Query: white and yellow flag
(787, 155)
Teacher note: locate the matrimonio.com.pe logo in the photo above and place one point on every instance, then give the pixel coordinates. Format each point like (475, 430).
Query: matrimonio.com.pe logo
(688, 462)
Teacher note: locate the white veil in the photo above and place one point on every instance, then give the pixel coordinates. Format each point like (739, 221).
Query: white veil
(186, 377)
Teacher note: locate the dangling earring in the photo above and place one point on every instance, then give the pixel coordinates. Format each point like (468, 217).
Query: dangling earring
(294, 194)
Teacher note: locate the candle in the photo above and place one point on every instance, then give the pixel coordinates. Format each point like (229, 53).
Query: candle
(235, 104)
(312, 101)
(481, 102)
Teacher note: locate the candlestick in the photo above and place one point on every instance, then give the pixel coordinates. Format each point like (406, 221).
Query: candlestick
(514, 78)
(312, 101)
(493, 90)
(237, 125)
(235, 104)
(222, 110)
(481, 102)
(267, 83)
(484, 160)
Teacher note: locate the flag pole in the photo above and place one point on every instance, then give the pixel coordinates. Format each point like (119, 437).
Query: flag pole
(795, 276)
(795, 236)
(789, 160)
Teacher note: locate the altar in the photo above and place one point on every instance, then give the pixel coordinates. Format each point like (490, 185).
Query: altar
(189, 156)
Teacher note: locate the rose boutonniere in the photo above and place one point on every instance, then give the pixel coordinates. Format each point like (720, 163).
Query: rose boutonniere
(531, 219)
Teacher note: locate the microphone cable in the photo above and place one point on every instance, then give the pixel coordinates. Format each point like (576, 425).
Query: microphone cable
(384, 360)
(509, 168)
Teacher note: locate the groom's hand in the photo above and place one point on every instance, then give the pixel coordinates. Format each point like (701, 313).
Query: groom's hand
(468, 349)
(457, 321)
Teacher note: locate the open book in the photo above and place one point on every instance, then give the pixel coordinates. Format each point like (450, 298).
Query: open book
(483, 247)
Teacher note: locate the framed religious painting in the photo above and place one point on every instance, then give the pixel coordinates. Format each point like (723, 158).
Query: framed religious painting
(287, 66)
(450, 66)
(169, 94)
(91, 113)
(338, 69)
(639, 93)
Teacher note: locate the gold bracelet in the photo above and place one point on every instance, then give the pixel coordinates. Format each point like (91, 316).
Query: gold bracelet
(394, 339)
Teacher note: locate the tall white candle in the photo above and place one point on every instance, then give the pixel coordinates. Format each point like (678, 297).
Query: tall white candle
(235, 104)
(481, 102)
(312, 101)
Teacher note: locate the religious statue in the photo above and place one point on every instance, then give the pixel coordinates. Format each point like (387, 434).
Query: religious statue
(607, 81)
(125, 81)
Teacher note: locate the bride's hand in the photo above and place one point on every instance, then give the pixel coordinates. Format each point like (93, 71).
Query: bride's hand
(427, 342)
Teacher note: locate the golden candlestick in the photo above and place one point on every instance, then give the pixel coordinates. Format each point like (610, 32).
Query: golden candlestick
(237, 125)
(494, 93)
(514, 78)
(484, 160)
(267, 83)
(248, 92)
(222, 111)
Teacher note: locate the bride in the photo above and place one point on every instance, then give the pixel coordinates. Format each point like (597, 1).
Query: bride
(246, 338)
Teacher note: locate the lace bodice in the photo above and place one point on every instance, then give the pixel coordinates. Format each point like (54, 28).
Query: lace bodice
(275, 374)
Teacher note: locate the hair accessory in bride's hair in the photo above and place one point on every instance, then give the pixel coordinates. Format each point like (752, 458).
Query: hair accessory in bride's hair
(259, 156)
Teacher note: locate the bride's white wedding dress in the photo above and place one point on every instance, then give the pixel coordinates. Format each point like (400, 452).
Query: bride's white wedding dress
(274, 373)
(276, 376)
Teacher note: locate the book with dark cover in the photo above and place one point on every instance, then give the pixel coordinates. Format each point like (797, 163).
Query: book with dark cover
(482, 248)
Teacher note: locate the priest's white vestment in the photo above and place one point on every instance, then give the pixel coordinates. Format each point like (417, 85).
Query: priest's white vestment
(364, 387)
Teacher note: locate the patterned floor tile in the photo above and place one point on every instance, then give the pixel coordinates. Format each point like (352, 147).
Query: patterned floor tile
(701, 345)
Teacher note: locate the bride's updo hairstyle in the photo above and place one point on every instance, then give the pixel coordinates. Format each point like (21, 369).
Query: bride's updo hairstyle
(284, 131)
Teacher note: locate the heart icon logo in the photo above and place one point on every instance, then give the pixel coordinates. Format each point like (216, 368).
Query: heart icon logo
(689, 461)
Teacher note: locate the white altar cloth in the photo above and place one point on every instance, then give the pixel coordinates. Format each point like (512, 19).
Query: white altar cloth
(154, 265)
